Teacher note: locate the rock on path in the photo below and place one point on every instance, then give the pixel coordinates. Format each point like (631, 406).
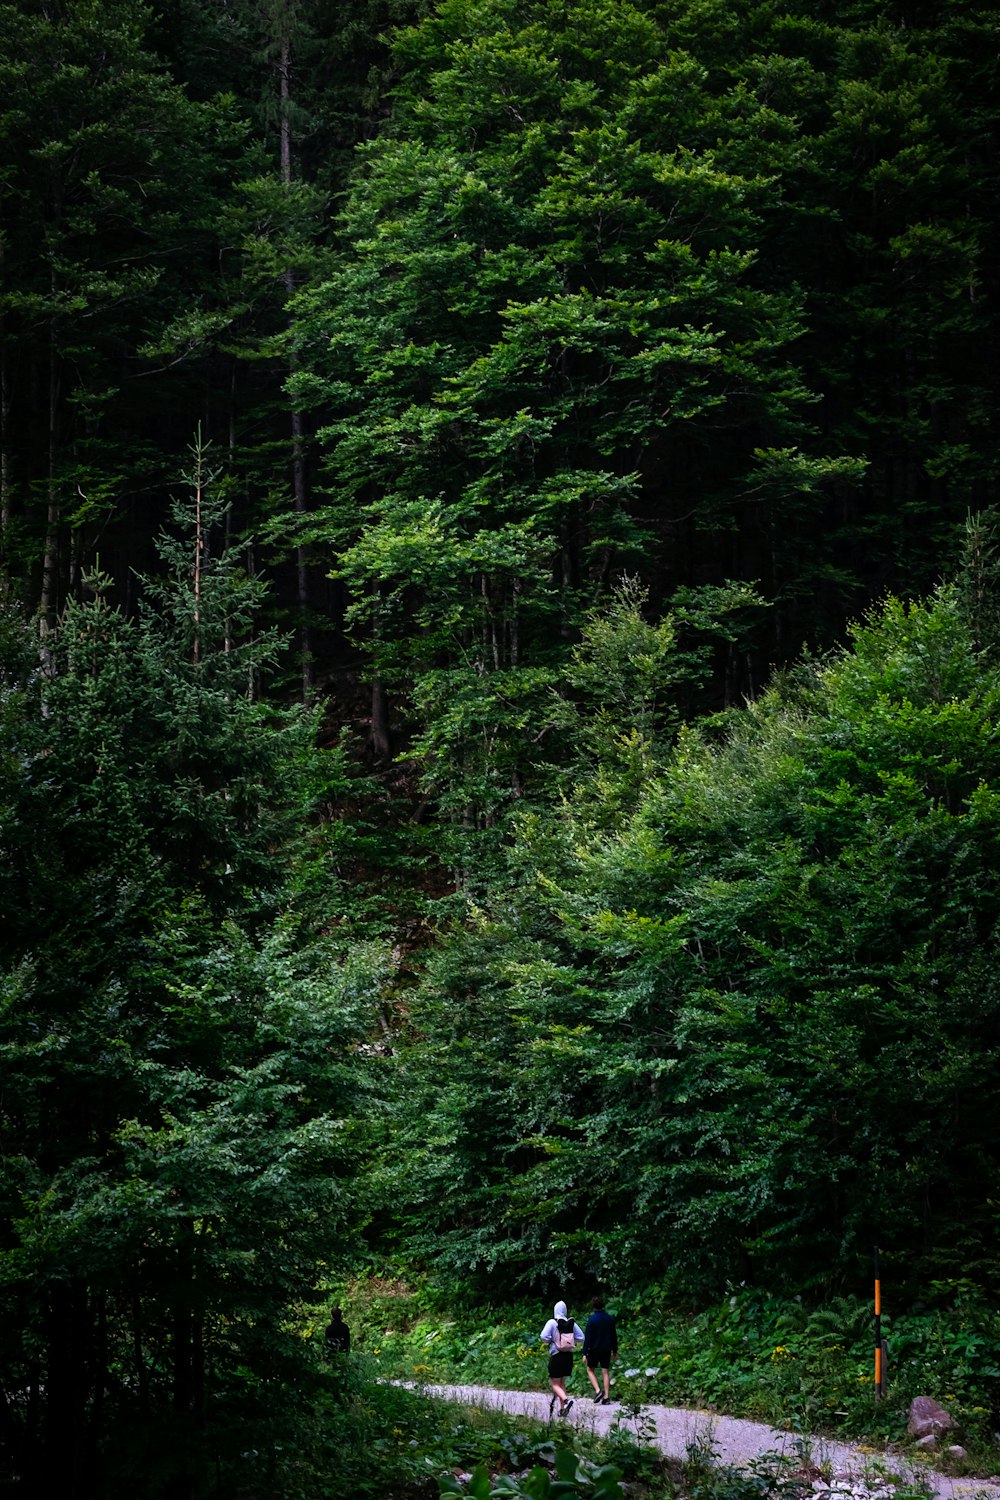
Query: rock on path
(857, 1473)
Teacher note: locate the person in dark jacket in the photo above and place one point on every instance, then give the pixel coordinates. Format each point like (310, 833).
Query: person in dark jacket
(338, 1335)
(600, 1345)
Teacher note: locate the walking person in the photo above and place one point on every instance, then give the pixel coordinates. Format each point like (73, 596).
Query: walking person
(562, 1336)
(600, 1345)
(338, 1335)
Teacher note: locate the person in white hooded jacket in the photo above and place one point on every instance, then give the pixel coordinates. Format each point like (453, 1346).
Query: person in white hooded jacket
(555, 1333)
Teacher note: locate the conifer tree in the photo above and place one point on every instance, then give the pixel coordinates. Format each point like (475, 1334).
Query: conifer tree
(112, 185)
(177, 1084)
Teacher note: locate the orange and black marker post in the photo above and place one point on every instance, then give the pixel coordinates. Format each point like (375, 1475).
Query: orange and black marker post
(880, 1351)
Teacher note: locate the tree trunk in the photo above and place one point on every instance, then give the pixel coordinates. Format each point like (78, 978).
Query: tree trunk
(199, 475)
(50, 558)
(299, 498)
(187, 1396)
(381, 738)
(301, 568)
(5, 499)
(285, 88)
(141, 1373)
(4, 440)
(66, 1394)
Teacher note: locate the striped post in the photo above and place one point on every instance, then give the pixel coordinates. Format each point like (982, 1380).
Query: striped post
(879, 1371)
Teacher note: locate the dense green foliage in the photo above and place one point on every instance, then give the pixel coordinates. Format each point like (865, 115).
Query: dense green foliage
(648, 286)
(733, 1014)
(706, 288)
(178, 1079)
(620, 916)
(572, 1477)
(165, 182)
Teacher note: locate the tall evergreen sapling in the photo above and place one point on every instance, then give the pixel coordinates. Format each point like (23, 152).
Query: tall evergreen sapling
(177, 1090)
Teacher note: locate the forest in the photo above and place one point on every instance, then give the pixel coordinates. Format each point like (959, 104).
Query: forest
(499, 697)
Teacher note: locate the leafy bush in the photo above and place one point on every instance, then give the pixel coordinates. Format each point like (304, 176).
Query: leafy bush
(772, 1359)
(574, 1476)
(655, 1049)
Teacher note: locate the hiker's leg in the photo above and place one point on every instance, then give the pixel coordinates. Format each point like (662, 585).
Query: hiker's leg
(559, 1387)
(606, 1372)
(592, 1376)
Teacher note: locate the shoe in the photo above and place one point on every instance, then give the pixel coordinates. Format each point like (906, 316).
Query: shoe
(566, 1408)
(598, 1399)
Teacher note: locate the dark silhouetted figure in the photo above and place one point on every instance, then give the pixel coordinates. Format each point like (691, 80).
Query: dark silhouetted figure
(338, 1335)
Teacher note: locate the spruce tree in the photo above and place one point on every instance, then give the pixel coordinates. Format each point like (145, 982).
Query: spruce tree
(178, 1084)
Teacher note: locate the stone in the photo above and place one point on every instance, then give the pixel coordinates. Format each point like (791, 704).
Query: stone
(956, 1451)
(927, 1416)
(928, 1442)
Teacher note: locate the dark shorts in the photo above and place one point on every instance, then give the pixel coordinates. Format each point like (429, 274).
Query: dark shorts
(597, 1357)
(560, 1363)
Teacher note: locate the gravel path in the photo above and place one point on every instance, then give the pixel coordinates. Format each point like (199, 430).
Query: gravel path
(855, 1470)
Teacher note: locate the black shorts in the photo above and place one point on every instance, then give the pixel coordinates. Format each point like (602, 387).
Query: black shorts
(597, 1357)
(560, 1363)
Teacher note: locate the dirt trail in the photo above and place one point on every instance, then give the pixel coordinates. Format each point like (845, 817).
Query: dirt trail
(674, 1429)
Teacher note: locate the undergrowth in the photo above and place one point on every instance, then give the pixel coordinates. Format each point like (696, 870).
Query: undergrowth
(777, 1360)
(374, 1440)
